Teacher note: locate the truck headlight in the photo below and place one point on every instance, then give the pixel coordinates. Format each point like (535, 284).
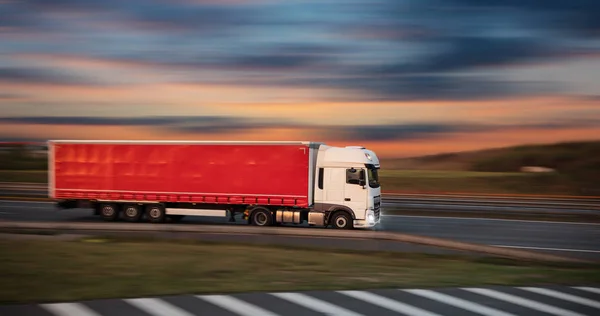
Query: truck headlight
(371, 217)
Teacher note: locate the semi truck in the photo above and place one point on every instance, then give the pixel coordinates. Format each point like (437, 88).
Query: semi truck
(269, 182)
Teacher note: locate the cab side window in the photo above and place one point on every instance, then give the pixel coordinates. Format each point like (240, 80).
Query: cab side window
(355, 176)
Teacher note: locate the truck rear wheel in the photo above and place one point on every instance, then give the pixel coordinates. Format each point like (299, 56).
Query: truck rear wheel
(155, 213)
(261, 217)
(132, 212)
(109, 212)
(341, 220)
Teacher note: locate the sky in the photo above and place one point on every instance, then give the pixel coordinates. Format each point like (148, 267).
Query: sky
(401, 77)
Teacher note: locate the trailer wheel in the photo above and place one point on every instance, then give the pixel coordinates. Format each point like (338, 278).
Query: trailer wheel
(261, 217)
(109, 212)
(341, 220)
(132, 212)
(155, 213)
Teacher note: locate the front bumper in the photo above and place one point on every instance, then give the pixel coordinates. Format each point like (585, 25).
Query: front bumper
(373, 218)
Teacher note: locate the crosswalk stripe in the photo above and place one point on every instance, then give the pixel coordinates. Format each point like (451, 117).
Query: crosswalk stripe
(563, 296)
(589, 289)
(460, 303)
(69, 309)
(388, 303)
(235, 305)
(157, 307)
(315, 304)
(523, 302)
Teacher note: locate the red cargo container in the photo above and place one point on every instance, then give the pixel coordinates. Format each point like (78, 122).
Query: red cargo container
(269, 182)
(270, 173)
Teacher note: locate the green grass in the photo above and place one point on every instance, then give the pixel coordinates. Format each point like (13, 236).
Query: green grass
(447, 174)
(31, 176)
(41, 271)
(477, 182)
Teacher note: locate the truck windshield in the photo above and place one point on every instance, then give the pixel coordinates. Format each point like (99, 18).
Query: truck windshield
(373, 176)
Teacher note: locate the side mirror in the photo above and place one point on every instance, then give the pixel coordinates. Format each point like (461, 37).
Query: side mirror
(362, 182)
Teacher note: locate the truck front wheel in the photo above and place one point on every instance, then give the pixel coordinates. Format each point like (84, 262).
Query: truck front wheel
(341, 220)
(155, 213)
(261, 217)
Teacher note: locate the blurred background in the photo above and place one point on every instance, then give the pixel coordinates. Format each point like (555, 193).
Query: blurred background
(407, 79)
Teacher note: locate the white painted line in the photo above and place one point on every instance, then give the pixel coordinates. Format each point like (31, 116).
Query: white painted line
(388, 303)
(235, 305)
(69, 309)
(157, 307)
(589, 289)
(460, 303)
(315, 304)
(551, 249)
(564, 296)
(491, 219)
(524, 302)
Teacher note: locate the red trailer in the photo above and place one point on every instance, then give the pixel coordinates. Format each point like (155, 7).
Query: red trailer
(171, 179)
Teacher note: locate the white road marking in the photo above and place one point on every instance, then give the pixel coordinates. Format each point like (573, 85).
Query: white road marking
(460, 303)
(388, 303)
(563, 296)
(315, 304)
(545, 248)
(69, 309)
(491, 219)
(524, 302)
(157, 307)
(235, 305)
(589, 289)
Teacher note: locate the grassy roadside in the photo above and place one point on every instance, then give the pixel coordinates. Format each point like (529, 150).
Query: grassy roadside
(38, 271)
(29, 176)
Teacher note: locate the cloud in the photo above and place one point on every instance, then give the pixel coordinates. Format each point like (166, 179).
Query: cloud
(384, 49)
(573, 17)
(11, 96)
(235, 125)
(44, 76)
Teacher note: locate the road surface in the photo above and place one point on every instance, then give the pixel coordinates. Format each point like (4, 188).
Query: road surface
(496, 301)
(561, 238)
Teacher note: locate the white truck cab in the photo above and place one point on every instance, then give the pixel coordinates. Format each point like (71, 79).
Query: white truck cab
(347, 179)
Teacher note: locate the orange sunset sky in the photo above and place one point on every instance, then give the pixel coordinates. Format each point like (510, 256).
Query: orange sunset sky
(403, 78)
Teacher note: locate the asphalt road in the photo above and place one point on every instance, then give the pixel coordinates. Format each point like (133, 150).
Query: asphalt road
(561, 238)
(497, 301)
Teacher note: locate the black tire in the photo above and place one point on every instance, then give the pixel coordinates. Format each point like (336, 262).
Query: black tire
(261, 217)
(132, 212)
(109, 212)
(155, 213)
(341, 220)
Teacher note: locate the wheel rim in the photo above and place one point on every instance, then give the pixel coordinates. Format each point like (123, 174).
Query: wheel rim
(131, 212)
(108, 211)
(340, 221)
(155, 212)
(261, 218)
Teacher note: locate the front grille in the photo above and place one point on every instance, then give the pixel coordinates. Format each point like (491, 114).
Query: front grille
(377, 206)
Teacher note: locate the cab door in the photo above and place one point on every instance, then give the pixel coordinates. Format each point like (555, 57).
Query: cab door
(355, 193)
